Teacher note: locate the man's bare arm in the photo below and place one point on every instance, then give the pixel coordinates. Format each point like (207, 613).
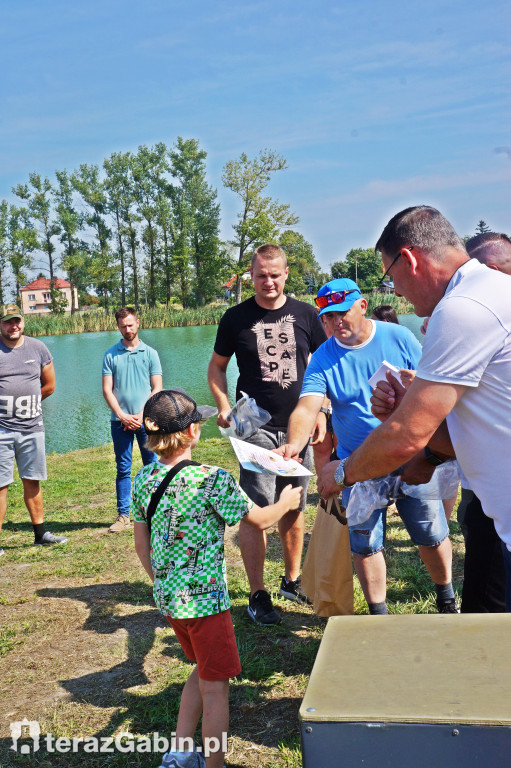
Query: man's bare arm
(156, 382)
(127, 420)
(407, 431)
(301, 425)
(47, 380)
(217, 380)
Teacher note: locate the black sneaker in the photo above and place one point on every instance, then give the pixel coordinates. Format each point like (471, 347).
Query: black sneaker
(450, 605)
(48, 539)
(292, 590)
(261, 610)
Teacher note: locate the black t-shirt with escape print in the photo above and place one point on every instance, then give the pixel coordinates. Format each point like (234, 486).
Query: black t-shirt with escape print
(272, 347)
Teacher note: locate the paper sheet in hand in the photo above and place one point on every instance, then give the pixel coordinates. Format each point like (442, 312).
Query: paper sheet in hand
(380, 374)
(257, 459)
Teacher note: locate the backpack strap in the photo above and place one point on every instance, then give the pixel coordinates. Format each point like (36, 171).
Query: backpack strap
(158, 493)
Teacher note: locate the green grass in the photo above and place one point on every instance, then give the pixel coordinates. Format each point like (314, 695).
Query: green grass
(84, 651)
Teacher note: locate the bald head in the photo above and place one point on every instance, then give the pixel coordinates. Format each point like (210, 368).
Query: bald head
(492, 249)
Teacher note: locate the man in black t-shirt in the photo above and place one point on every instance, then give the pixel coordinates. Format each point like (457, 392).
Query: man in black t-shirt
(272, 336)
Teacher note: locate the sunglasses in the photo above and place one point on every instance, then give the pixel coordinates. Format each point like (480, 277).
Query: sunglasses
(336, 297)
(393, 262)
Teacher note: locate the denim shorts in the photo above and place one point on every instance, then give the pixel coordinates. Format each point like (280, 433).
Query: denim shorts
(424, 520)
(29, 451)
(265, 489)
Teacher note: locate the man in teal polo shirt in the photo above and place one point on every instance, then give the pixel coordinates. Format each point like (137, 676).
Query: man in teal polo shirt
(131, 373)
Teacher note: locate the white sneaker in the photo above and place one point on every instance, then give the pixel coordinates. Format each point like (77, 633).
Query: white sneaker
(183, 760)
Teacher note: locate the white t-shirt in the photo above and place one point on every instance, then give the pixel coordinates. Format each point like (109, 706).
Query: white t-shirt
(469, 343)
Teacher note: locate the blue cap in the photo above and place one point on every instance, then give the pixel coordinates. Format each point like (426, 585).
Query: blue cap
(340, 284)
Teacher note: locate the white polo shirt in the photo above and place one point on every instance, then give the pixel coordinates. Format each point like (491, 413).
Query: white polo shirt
(469, 343)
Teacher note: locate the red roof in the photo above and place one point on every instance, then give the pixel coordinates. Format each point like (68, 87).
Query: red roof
(230, 282)
(42, 284)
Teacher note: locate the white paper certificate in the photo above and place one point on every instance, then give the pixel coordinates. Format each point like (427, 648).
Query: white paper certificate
(379, 375)
(257, 459)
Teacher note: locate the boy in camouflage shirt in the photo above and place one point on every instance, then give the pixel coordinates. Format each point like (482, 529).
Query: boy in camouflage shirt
(182, 551)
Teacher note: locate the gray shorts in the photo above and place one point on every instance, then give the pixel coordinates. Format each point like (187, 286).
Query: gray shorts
(265, 489)
(29, 451)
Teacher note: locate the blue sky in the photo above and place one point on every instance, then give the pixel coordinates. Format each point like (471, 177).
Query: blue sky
(376, 106)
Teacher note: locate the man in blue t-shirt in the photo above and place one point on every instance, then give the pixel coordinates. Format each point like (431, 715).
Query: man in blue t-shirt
(341, 369)
(131, 373)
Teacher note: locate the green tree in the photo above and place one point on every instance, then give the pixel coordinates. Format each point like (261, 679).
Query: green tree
(482, 227)
(149, 167)
(339, 269)
(86, 181)
(4, 247)
(364, 267)
(200, 210)
(120, 186)
(304, 270)
(22, 242)
(261, 218)
(39, 200)
(168, 223)
(70, 222)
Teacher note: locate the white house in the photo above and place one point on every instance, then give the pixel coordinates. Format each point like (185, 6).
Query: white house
(36, 297)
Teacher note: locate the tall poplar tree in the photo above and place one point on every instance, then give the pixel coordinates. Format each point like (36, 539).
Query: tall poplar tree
(38, 196)
(103, 271)
(120, 187)
(260, 217)
(198, 203)
(70, 222)
(22, 242)
(4, 246)
(149, 167)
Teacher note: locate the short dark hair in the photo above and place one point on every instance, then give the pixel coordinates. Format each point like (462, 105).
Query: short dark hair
(422, 226)
(491, 248)
(123, 312)
(269, 251)
(386, 313)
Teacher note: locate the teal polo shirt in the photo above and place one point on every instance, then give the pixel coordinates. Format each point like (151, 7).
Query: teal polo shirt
(131, 370)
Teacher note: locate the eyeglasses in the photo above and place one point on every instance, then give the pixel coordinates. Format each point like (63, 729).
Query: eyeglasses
(335, 297)
(394, 261)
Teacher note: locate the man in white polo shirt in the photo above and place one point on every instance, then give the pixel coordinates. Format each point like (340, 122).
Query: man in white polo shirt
(460, 398)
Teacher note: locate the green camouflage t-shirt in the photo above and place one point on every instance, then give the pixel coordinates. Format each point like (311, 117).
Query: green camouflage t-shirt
(187, 536)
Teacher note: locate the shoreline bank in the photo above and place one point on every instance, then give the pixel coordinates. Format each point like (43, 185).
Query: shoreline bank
(165, 317)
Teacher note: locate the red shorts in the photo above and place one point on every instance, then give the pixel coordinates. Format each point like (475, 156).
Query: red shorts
(210, 642)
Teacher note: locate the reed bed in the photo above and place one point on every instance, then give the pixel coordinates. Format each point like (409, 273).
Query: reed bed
(98, 320)
(167, 317)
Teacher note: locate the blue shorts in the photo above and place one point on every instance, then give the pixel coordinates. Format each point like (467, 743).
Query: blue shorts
(424, 520)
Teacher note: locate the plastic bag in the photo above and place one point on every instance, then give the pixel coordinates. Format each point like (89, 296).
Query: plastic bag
(245, 418)
(443, 484)
(369, 495)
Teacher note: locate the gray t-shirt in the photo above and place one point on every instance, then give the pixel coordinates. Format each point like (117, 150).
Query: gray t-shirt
(20, 385)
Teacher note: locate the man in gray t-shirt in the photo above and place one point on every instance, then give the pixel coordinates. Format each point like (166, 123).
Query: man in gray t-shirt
(27, 376)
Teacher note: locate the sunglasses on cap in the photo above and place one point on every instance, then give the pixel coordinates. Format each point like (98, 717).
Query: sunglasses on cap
(335, 297)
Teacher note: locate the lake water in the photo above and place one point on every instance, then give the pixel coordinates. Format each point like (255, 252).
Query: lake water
(76, 415)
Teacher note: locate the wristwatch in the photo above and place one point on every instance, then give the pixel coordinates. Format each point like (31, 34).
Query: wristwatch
(339, 474)
(324, 410)
(432, 458)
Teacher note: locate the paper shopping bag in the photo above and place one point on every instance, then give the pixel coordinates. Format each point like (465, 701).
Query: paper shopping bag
(327, 574)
